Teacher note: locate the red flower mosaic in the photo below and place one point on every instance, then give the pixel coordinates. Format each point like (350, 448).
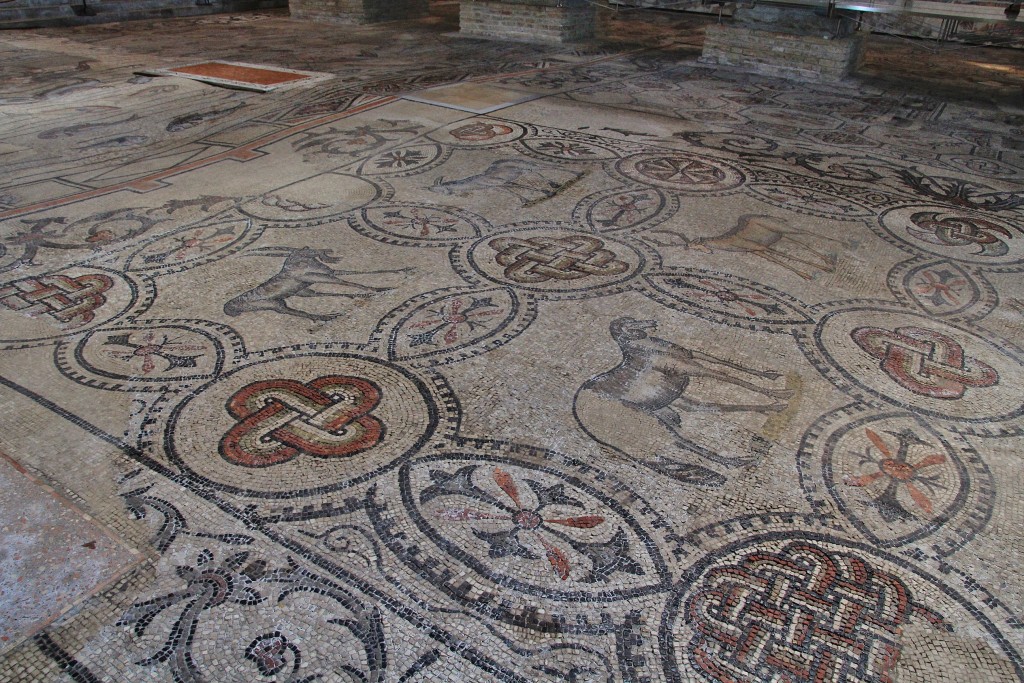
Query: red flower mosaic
(526, 520)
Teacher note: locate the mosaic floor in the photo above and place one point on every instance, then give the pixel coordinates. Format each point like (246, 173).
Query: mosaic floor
(590, 364)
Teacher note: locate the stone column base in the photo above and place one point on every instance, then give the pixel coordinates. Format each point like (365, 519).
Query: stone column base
(798, 56)
(535, 21)
(357, 11)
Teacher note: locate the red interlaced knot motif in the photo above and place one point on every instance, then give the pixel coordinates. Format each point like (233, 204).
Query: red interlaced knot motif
(802, 614)
(71, 301)
(924, 361)
(281, 419)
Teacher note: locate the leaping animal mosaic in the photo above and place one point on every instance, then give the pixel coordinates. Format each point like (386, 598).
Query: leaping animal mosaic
(303, 268)
(763, 236)
(530, 182)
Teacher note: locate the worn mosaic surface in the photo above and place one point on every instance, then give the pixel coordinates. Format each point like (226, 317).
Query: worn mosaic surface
(597, 365)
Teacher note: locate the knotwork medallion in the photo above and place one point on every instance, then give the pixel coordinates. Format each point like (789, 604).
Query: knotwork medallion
(803, 608)
(797, 606)
(302, 424)
(925, 361)
(962, 234)
(884, 354)
(548, 259)
(540, 259)
(280, 419)
(71, 302)
(42, 307)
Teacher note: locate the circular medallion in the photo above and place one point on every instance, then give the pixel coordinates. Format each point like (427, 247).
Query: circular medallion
(444, 326)
(961, 235)
(803, 607)
(301, 425)
(155, 356)
(727, 299)
(195, 245)
(40, 308)
(478, 133)
(554, 260)
(682, 172)
(313, 201)
(404, 161)
(897, 477)
(418, 224)
(921, 364)
(943, 288)
(567, 149)
(626, 208)
(733, 142)
(534, 530)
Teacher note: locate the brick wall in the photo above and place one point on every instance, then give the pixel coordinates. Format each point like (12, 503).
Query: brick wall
(548, 21)
(803, 57)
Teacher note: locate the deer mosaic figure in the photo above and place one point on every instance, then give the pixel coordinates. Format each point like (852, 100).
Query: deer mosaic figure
(303, 267)
(762, 236)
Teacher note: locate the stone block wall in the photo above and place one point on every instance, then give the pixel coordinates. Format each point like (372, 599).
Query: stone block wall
(357, 11)
(542, 21)
(787, 55)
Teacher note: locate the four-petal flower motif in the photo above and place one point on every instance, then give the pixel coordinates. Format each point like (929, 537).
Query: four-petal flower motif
(526, 520)
(896, 470)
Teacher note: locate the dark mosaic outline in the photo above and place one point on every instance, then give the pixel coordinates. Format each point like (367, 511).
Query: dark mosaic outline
(879, 228)
(810, 345)
(523, 314)
(447, 548)
(383, 191)
(437, 417)
(985, 298)
(668, 207)
(461, 258)
(358, 221)
(249, 234)
(662, 296)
